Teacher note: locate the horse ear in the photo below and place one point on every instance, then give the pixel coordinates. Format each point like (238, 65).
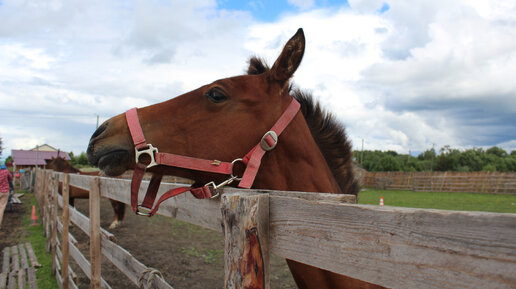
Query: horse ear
(290, 58)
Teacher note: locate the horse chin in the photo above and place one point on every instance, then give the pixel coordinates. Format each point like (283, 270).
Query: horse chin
(114, 163)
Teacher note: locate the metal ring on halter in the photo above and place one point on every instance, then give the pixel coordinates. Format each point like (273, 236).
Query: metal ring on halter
(235, 178)
(138, 212)
(151, 151)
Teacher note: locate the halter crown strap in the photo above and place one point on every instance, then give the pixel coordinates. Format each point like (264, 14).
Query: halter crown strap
(268, 142)
(252, 161)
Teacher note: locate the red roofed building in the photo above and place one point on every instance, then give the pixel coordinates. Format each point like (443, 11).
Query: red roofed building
(30, 158)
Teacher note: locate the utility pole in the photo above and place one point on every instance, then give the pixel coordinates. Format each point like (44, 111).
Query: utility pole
(433, 153)
(37, 159)
(362, 154)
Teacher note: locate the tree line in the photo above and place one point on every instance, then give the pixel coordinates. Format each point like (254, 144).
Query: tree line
(448, 159)
(79, 161)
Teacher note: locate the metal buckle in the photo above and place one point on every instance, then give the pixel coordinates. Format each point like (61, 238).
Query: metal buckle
(138, 212)
(216, 187)
(224, 183)
(263, 143)
(149, 151)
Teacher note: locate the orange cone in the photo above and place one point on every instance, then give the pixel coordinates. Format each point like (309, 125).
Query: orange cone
(381, 201)
(34, 217)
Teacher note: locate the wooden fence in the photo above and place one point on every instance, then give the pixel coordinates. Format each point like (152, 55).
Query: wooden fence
(475, 182)
(389, 246)
(101, 241)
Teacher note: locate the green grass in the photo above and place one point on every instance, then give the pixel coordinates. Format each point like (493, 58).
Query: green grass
(38, 241)
(208, 255)
(444, 201)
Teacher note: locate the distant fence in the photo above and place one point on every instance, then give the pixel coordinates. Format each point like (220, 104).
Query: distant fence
(474, 182)
(389, 246)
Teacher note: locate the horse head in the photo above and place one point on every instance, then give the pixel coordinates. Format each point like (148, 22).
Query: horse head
(222, 120)
(59, 164)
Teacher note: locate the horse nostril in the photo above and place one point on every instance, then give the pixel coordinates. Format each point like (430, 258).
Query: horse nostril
(100, 130)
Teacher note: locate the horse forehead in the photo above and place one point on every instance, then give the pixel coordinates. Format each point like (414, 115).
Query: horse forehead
(241, 82)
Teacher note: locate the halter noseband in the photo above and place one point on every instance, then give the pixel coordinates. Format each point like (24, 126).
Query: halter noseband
(251, 160)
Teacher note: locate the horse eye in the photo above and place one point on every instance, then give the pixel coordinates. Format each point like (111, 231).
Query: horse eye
(216, 95)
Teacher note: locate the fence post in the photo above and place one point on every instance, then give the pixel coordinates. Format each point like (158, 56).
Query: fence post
(95, 257)
(53, 220)
(65, 238)
(41, 194)
(245, 220)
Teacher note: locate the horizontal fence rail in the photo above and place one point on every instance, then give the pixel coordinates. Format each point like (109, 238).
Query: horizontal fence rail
(474, 182)
(389, 246)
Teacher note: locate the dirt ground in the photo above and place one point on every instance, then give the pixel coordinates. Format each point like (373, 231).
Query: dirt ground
(12, 226)
(188, 256)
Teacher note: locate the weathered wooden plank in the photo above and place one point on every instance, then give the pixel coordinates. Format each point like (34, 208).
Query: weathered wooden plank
(11, 284)
(82, 222)
(84, 264)
(23, 257)
(398, 247)
(21, 279)
(246, 234)
(60, 231)
(71, 273)
(130, 266)
(81, 181)
(185, 207)
(33, 259)
(31, 273)
(15, 261)
(53, 216)
(65, 233)
(3, 280)
(95, 248)
(6, 260)
(59, 281)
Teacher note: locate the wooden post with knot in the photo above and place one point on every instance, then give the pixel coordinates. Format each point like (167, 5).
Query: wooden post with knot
(245, 219)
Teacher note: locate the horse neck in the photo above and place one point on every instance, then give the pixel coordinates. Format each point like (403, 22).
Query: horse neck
(296, 164)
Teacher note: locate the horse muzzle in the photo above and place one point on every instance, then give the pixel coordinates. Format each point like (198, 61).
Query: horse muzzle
(110, 149)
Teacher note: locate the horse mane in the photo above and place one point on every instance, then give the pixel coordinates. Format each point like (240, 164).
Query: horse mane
(327, 131)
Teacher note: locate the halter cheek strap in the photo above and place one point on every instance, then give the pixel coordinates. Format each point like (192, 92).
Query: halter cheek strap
(251, 160)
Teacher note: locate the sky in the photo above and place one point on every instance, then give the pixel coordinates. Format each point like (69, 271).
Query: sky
(400, 75)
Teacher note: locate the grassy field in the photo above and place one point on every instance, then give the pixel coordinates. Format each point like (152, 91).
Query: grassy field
(444, 201)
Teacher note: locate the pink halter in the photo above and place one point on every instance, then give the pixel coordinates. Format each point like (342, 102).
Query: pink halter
(251, 160)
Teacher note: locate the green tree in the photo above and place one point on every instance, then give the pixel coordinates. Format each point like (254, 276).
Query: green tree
(489, 168)
(472, 159)
(497, 151)
(448, 159)
(388, 163)
(82, 159)
(428, 155)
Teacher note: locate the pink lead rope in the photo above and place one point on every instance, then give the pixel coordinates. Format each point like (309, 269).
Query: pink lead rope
(252, 160)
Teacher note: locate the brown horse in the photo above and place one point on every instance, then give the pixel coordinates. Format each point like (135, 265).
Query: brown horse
(61, 165)
(223, 120)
